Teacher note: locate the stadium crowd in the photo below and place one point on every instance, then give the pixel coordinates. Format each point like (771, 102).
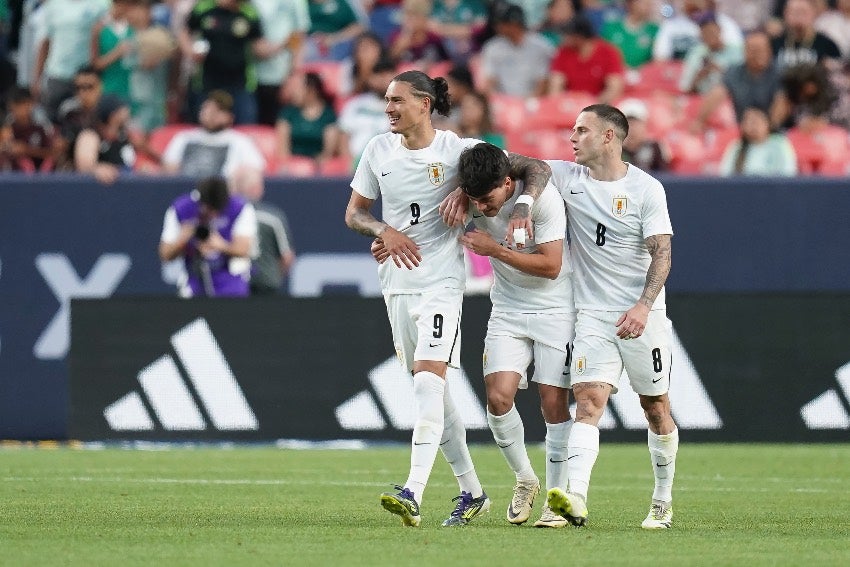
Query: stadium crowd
(714, 87)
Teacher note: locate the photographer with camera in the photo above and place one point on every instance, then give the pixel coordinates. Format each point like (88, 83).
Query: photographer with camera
(215, 233)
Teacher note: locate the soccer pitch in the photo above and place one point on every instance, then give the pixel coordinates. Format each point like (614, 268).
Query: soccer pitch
(734, 505)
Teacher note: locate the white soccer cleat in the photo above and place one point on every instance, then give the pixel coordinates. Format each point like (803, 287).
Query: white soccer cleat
(549, 519)
(519, 509)
(660, 516)
(569, 505)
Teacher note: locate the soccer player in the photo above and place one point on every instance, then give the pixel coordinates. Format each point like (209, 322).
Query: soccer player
(533, 319)
(412, 168)
(620, 236)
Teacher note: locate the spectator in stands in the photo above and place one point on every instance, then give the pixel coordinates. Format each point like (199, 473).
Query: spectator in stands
(306, 125)
(460, 81)
(600, 11)
(634, 33)
(333, 26)
(515, 61)
(363, 116)
(587, 63)
(750, 15)
(64, 49)
(367, 51)
(154, 68)
(534, 11)
(801, 43)
(638, 148)
(106, 151)
(78, 113)
(835, 24)
(759, 151)
(558, 13)
(706, 61)
(215, 148)
(756, 82)
(110, 45)
(476, 120)
(224, 37)
(28, 141)
(214, 233)
(275, 254)
(456, 21)
(414, 43)
(806, 92)
(678, 33)
(284, 22)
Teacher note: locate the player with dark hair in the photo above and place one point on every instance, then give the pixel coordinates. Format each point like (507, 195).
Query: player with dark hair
(532, 320)
(413, 168)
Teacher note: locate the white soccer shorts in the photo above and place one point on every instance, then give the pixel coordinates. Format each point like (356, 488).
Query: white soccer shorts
(600, 356)
(514, 340)
(426, 326)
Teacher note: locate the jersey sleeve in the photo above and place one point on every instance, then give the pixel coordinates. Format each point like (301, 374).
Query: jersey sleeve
(174, 150)
(170, 227)
(655, 219)
(365, 182)
(246, 222)
(563, 174)
(549, 217)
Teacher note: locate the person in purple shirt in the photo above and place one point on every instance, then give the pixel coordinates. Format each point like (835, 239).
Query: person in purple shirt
(215, 233)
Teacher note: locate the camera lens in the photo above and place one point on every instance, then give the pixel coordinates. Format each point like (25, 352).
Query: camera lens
(202, 232)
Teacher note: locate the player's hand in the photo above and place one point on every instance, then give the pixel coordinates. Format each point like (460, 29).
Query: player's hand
(454, 207)
(480, 242)
(520, 219)
(404, 252)
(631, 324)
(379, 251)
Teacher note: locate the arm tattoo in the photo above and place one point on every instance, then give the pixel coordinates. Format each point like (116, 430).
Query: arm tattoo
(361, 220)
(659, 248)
(533, 172)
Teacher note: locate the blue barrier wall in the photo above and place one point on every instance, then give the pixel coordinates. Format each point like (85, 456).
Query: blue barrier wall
(63, 237)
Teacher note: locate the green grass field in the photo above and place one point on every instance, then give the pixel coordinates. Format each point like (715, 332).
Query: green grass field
(735, 505)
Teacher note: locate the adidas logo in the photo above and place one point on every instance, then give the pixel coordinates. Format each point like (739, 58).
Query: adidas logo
(171, 390)
(394, 389)
(827, 410)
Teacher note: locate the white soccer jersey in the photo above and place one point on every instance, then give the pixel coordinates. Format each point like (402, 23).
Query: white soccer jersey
(608, 223)
(412, 184)
(515, 291)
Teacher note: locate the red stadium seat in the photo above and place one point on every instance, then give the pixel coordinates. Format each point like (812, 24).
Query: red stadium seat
(687, 152)
(338, 166)
(508, 112)
(715, 143)
(557, 111)
(440, 69)
(265, 138)
(723, 116)
(664, 112)
(541, 144)
(296, 166)
(654, 76)
(824, 150)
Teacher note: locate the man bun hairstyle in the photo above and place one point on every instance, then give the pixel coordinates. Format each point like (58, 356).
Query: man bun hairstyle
(482, 168)
(423, 86)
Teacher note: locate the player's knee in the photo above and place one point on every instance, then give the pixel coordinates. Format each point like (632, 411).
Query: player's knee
(499, 403)
(554, 404)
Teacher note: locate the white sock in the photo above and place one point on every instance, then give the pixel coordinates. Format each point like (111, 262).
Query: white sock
(428, 391)
(662, 453)
(509, 434)
(582, 450)
(557, 435)
(455, 450)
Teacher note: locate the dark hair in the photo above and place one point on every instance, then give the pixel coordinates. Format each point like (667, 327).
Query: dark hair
(213, 192)
(87, 70)
(743, 150)
(423, 86)
(383, 65)
(314, 81)
(580, 25)
(613, 116)
(19, 95)
(460, 72)
(482, 168)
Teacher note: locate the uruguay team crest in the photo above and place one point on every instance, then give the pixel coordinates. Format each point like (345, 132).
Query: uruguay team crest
(621, 205)
(581, 365)
(436, 173)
